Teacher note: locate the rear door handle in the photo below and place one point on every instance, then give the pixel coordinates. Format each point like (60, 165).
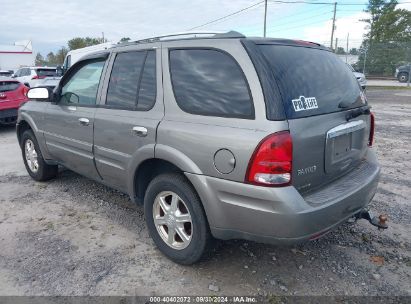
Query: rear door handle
(84, 121)
(140, 131)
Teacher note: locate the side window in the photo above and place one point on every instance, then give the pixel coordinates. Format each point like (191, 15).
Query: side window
(18, 73)
(209, 82)
(82, 87)
(124, 79)
(148, 88)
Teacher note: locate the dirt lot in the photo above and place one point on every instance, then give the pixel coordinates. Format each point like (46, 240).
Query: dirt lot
(72, 236)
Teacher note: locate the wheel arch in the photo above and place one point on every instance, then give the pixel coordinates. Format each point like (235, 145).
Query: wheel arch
(21, 127)
(165, 159)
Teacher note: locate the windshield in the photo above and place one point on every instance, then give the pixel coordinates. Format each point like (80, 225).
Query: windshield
(46, 72)
(312, 81)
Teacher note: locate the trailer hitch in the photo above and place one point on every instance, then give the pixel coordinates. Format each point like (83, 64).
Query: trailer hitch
(377, 221)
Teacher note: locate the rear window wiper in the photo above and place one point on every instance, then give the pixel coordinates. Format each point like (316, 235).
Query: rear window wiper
(358, 112)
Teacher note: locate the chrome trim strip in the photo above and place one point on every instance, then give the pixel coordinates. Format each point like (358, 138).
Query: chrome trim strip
(346, 128)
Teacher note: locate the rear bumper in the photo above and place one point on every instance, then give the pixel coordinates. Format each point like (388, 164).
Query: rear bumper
(282, 215)
(8, 115)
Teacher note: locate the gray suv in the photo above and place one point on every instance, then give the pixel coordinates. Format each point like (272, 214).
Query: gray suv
(219, 137)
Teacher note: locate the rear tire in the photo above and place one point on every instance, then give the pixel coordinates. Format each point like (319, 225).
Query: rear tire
(33, 159)
(403, 77)
(190, 238)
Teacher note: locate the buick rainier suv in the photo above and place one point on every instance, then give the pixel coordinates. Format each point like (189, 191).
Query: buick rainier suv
(218, 137)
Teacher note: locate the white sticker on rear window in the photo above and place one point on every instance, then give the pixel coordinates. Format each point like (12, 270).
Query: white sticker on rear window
(304, 103)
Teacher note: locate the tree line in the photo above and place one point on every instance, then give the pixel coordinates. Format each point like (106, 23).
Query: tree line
(387, 43)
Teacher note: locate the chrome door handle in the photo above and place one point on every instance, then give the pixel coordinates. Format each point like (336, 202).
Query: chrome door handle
(140, 131)
(84, 121)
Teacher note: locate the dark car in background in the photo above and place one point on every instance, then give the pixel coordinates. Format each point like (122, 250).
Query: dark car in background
(402, 72)
(6, 73)
(12, 95)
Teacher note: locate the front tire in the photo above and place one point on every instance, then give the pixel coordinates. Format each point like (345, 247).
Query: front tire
(176, 220)
(403, 77)
(33, 159)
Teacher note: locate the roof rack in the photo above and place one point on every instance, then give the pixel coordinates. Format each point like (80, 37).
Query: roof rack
(191, 35)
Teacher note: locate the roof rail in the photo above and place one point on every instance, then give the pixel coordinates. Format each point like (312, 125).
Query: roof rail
(190, 35)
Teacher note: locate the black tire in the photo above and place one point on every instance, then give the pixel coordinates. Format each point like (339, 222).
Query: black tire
(403, 77)
(201, 240)
(44, 172)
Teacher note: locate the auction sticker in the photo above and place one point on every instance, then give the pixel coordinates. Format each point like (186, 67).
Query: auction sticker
(304, 103)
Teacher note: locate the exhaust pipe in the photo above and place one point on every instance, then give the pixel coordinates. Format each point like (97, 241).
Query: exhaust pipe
(378, 221)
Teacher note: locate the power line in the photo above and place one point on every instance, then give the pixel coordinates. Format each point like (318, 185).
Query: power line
(299, 13)
(302, 13)
(302, 25)
(226, 16)
(296, 22)
(281, 2)
(325, 3)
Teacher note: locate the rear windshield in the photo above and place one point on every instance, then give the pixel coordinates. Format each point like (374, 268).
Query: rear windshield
(6, 86)
(46, 72)
(312, 81)
(5, 73)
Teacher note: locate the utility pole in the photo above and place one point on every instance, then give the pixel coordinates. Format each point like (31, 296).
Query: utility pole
(346, 54)
(333, 28)
(265, 18)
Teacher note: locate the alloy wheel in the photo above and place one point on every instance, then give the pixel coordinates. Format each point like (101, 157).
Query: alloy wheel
(172, 220)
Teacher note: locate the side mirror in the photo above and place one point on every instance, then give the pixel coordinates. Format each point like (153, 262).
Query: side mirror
(39, 94)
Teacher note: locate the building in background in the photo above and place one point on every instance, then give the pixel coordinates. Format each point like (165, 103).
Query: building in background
(17, 55)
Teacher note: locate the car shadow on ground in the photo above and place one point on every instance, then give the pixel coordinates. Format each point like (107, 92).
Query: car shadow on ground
(4, 129)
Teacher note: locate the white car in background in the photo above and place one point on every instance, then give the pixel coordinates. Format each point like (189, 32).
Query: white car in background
(75, 55)
(34, 76)
(360, 77)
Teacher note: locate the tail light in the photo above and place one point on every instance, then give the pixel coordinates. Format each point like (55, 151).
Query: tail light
(372, 128)
(25, 90)
(271, 162)
(37, 77)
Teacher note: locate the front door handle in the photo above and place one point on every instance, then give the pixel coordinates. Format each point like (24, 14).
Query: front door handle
(140, 131)
(84, 121)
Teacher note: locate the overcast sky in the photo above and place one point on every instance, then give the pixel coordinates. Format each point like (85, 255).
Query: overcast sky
(51, 23)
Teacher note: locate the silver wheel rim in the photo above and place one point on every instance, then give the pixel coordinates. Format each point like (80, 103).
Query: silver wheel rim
(403, 78)
(172, 220)
(31, 156)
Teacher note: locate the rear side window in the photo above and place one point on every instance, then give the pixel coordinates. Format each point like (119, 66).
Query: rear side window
(210, 82)
(46, 72)
(6, 86)
(132, 82)
(148, 88)
(312, 81)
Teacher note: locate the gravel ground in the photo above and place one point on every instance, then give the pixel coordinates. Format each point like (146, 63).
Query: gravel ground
(72, 236)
